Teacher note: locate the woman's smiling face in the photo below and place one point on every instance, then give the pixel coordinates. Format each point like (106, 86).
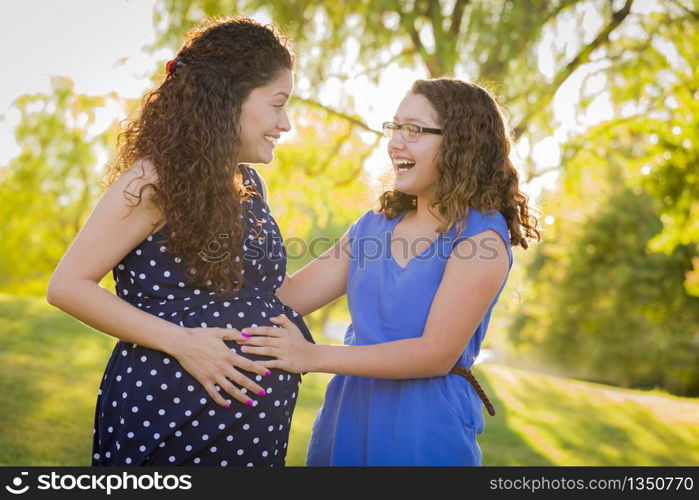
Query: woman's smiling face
(413, 162)
(263, 118)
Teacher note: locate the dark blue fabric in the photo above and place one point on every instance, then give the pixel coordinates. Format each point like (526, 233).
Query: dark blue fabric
(150, 411)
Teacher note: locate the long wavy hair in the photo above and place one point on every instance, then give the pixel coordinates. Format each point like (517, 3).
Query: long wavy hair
(473, 166)
(188, 128)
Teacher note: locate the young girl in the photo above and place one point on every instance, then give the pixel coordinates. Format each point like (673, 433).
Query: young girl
(195, 254)
(422, 276)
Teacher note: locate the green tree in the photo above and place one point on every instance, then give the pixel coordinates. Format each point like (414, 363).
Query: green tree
(601, 306)
(611, 295)
(493, 42)
(664, 127)
(47, 191)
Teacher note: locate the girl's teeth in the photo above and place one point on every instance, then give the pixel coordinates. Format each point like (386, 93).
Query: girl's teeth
(404, 164)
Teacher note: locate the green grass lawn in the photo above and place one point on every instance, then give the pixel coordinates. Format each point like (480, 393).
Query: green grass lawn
(51, 365)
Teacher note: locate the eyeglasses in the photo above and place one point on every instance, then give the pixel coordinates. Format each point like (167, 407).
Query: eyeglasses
(408, 131)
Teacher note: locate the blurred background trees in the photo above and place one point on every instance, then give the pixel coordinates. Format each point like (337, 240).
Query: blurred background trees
(613, 292)
(47, 191)
(612, 295)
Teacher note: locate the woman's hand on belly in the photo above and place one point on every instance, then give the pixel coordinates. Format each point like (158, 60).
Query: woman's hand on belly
(210, 361)
(292, 352)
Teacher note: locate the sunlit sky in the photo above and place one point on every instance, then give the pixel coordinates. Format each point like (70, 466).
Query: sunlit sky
(99, 45)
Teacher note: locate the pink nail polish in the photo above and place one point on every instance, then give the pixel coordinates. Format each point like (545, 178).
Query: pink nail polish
(262, 393)
(227, 406)
(268, 373)
(246, 335)
(249, 402)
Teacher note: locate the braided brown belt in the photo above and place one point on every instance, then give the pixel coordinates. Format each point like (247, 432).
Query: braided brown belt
(466, 373)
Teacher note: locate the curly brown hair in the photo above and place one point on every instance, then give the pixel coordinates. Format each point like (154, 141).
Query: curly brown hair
(188, 129)
(473, 168)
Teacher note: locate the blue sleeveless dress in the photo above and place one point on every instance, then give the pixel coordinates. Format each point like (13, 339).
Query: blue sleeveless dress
(421, 421)
(150, 411)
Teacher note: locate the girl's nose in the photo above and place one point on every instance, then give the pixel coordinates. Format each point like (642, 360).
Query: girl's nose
(395, 141)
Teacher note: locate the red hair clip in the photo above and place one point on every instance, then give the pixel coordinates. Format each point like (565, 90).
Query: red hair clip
(172, 66)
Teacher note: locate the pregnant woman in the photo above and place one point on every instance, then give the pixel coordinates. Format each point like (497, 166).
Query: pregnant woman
(196, 255)
(422, 276)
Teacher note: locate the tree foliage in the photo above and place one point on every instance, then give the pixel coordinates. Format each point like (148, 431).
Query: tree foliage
(494, 42)
(47, 191)
(602, 306)
(610, 294)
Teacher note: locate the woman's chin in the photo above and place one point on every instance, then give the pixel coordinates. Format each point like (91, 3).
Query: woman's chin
(260, 160)
(266, 158)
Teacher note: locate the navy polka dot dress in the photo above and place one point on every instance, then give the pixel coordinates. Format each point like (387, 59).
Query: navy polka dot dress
(150, 411)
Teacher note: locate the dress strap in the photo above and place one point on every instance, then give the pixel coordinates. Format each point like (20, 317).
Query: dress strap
(253, 176)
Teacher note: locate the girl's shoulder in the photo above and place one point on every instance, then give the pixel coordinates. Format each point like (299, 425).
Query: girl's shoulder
(478, 220)
(370, 222)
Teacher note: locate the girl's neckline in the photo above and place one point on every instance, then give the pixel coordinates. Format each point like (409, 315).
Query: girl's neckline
(397, 221)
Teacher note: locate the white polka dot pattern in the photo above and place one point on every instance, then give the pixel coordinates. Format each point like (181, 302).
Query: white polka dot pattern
(150, 411)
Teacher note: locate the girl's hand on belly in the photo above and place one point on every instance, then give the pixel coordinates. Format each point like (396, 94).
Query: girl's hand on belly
(211, 362)
(284, 342)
